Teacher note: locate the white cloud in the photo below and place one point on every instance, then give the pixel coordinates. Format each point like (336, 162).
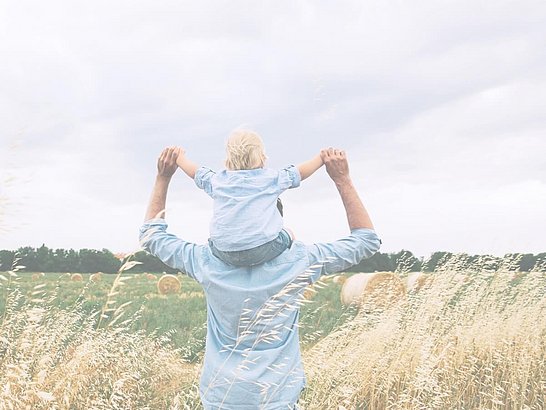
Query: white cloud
(438, 104)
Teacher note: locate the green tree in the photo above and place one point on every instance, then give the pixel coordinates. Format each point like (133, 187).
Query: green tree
(6, 260)
(92, 260)
(527, 262)
(28, 259)
(148, 263)
(45, 260)
(378, 262)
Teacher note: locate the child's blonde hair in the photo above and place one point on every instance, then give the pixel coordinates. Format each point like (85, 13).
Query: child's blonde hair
(245, 150)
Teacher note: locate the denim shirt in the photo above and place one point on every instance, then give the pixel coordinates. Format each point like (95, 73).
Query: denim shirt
(252, 354)
(245, 204)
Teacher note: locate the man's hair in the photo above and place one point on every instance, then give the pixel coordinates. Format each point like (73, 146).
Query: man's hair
(244, 150)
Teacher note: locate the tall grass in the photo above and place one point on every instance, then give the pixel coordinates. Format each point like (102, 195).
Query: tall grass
(463, 342)
(63, 358)
(473, 338)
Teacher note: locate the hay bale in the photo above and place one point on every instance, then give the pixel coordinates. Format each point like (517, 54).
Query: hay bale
(37, 276)
(415, 281)
(168, 284)
(76, 277)
(381, 289)
(151, 276)
(96, 277)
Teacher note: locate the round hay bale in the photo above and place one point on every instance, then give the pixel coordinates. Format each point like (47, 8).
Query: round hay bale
(37, 276)
(415, 281)
(96, 277)
(341, 279)
(151, 276)
(168, 284)
(381, 289)
(76, 277)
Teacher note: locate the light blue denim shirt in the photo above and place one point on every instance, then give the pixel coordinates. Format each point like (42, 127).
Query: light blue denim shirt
(252, 356)
(245, 204)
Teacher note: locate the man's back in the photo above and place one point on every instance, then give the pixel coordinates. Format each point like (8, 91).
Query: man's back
(252, 328)
(252, 357)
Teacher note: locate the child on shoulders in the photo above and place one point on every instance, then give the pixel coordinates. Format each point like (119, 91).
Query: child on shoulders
(247, 227)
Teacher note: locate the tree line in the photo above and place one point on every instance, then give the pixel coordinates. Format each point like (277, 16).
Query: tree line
(407, 262)
(44, 259)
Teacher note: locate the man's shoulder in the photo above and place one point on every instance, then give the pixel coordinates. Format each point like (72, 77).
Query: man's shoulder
(298, 252)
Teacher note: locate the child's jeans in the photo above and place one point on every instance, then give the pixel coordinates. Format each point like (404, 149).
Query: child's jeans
(257, 255)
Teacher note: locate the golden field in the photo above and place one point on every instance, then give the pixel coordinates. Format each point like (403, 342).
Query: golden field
(469, 338)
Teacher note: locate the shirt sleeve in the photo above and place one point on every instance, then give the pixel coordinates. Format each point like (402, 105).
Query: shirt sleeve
(203, 179)
(327, 258)
(170, 249)
(289, 177)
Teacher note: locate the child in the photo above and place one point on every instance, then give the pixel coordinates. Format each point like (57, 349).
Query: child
(246, 227)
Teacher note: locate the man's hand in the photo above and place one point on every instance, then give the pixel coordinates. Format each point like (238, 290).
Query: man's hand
(166, 164)
(338, 169)
(336, 164)
(166, 167)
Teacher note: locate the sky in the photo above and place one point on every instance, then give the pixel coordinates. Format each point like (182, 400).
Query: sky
(440, 106)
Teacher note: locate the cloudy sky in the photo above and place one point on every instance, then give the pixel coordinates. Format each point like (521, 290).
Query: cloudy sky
(440, 105)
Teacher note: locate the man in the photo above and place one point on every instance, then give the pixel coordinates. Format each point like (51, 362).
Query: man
(252, 356)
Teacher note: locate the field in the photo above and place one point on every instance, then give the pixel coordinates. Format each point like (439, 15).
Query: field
(182, 316)
(470, 338)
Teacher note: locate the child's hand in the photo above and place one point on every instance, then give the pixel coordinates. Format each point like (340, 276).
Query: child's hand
(181, 157)
(188, 166)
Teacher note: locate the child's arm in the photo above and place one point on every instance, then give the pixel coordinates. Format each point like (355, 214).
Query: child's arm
(307, 168)
(189, 167)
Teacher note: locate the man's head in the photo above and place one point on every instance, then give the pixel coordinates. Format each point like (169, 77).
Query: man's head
(244, 150)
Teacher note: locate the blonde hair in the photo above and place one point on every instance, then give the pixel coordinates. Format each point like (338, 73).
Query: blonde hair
(244, 150)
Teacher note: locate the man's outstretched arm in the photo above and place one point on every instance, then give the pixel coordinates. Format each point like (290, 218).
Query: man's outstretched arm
(362, 242)
(337, 167)
(166, 167)
(154, 237)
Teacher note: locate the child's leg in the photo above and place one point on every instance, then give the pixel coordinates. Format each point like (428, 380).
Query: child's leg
(291, 233)
(255, 256)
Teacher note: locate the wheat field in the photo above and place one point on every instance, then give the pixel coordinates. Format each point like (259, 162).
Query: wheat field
(471, 338)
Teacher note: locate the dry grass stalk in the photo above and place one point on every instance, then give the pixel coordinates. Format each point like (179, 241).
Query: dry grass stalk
(415, 281)
(452, 345)
(455, 344)
(340, 279)
(53, 359)
(309, 292)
